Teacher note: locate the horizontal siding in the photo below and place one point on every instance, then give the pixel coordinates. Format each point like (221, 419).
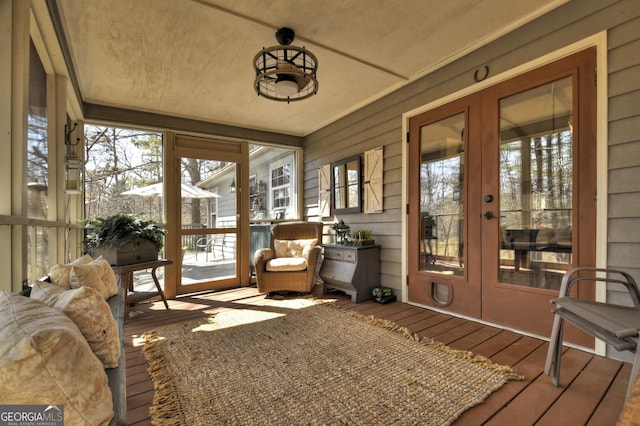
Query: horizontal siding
(624, 155)
(625, 230)
(623, 180)
(624, 205)
(623, 239)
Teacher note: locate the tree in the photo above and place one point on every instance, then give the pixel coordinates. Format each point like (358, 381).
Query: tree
(117, 160)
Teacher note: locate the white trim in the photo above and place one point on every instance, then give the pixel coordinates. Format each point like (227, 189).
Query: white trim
(602, 160)
(600, 41)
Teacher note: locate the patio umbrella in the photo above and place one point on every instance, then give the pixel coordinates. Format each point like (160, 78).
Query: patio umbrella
(155, 190)
(186, 190)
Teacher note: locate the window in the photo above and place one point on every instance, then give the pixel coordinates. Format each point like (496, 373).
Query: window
(119, 160)
(272, 183)
(37, 148)
(281, 192)
(37, 168)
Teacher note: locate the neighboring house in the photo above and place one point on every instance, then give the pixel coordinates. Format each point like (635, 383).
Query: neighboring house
(608, 236)
(272, 187)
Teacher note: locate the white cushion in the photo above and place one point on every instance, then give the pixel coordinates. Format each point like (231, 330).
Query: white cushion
(44, 359)
(287, 264)
(59, 274)
(108, 276)
(294, 248)
(97, 274)
(90, 312)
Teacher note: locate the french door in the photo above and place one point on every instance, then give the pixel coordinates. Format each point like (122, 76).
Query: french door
(502, 196)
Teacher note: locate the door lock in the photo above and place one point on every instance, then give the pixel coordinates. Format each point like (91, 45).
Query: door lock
(488, 215)
(488, 198)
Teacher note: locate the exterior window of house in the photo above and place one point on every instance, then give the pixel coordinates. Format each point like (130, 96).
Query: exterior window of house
(37, 168)
(272, 183)
(281, 193)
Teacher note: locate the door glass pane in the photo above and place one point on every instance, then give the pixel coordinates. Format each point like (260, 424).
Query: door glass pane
(441, 196)
(536, 185)
(208, 205)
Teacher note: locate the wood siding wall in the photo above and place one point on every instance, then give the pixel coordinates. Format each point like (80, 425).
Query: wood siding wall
(624, 147)
(380, 124)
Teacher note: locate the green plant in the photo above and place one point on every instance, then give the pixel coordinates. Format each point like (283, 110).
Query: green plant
(342, 231)
(120, 229)
(362, 234)
(340, 226)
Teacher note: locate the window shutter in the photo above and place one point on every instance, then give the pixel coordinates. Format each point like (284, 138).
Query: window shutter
(373, 190)
(324, 191)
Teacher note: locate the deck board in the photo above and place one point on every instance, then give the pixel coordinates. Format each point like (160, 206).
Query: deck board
(591, 385)
(539, 394)
(586, 391)
(613, 401)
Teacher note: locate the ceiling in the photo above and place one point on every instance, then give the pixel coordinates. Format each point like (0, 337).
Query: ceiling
(193, 58)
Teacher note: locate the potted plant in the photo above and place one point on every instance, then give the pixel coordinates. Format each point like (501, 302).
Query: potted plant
(342, 232)
(123, 239)
(362, 237)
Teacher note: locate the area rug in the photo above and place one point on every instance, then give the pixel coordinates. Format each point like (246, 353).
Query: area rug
(310, 364)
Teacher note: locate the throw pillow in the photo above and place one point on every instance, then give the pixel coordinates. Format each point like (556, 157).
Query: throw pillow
(107, 276)
(89, 275)
(44, 359)
(59, 274)
(281, 247)
(90, 312)
(294, 248)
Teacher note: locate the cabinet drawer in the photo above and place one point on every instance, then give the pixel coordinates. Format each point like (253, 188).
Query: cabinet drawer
(350, 256)
(332, 254)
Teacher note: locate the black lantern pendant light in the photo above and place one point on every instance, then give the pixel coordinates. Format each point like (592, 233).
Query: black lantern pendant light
(285, 73)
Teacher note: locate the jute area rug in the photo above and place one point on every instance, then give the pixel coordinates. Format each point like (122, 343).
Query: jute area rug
(308, 363)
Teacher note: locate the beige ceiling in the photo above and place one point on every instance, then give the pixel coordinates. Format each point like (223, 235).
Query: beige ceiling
(193, 58)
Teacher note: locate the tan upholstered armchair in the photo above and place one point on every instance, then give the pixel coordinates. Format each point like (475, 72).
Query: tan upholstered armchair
(290, 263)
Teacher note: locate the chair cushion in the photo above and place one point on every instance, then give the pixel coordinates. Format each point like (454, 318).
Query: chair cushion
(44, 359)
(280, 264)
(90, 312)
(294, 248)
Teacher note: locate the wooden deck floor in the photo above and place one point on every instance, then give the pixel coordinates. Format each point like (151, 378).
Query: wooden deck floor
(592, 393)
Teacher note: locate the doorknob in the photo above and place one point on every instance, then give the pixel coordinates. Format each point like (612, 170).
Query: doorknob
(488, 215)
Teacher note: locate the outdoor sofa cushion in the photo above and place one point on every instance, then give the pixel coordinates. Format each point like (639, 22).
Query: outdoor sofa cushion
(90, 312)
(45, 360)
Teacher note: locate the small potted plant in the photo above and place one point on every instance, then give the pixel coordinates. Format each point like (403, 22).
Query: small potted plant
(362, 237)
(123, 239)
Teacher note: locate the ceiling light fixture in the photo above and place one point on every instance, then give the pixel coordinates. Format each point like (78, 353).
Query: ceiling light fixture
(285, 73)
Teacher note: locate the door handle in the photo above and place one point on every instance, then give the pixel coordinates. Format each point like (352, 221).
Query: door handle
(488, 215)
